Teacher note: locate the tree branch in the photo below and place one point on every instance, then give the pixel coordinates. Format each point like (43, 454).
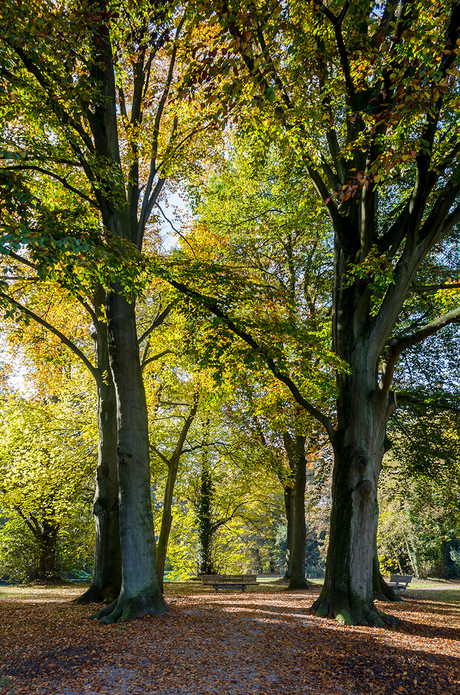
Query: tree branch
(157, 322)
(397, 345)
(211, 304)
(61, 179)
(52, 329)
(160, 455)
(428, 288)
(155, 357)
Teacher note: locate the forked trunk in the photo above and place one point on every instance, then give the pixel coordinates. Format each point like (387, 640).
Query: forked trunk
(173, 466)
(106, 578)
(140, 592)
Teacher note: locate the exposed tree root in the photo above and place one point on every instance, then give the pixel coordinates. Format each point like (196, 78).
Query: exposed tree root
(383, 592)
(360, 614)
(124, 609)
(96, 594)
(295, 585)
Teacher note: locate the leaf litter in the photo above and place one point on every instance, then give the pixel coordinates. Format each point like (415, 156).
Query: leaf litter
(261, 642)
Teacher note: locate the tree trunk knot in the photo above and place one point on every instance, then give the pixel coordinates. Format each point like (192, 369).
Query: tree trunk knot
(364, 487)
(361, 461)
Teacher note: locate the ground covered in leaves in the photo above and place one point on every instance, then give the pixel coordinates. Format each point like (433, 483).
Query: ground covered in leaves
(262, 642)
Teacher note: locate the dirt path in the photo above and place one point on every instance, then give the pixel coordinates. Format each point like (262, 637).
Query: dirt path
(262, 642)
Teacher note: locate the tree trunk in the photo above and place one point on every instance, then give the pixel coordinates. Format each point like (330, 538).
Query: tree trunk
(440, 569)
(204, 522)
(289, 507)
(295, 448)
(48, 569)
(140, 592)
(106, 579)
(173, 466)
(166, 520)
(362, 412)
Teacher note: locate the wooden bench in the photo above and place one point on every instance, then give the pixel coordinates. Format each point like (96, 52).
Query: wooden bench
(229, 581)
(399, 582)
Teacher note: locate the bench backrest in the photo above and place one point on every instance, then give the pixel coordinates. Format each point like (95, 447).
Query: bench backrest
(403, 578)
(228, 578)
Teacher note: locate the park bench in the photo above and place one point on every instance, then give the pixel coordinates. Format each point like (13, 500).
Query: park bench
(399, 582)
(229, 581)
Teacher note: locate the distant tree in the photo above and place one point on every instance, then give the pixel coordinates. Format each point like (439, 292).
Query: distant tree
(47, 458)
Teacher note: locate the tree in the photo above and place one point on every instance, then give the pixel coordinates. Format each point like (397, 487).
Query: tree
(79, 65)
(367, 94)
(172, 462)
(46, 457)
(273, 259)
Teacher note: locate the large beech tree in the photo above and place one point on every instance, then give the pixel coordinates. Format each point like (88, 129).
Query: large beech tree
(87, 74)
(367, 93)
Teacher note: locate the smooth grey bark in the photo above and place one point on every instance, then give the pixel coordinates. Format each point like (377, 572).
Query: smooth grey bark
(362, 411)
(365, 315)
(140, 592)
(173, 466)
(89, 130)
(106, 578)
(295, 449)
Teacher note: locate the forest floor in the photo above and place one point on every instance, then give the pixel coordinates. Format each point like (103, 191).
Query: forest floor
(261, 642)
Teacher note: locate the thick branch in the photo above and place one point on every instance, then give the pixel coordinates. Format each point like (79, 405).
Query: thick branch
(432, 288)
(399, 344)
(211, 304)
(157, 322)
(52, 329)
(53, 175)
